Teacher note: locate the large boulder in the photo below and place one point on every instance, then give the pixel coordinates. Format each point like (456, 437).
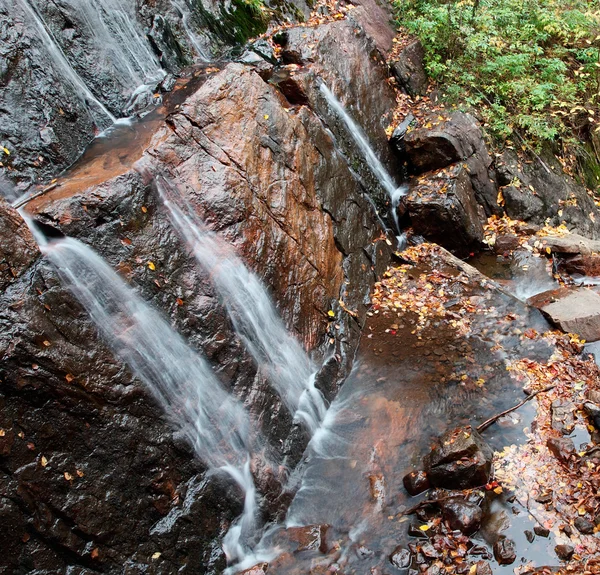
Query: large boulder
(442, 207)
(539, 190)
(460, 459)
(571, 310)
(446, 138)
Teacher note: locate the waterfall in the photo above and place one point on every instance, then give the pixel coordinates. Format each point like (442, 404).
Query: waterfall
(255, 319)
(185, 14)
(362, 142)
(114, 26)
(65, 68)
(212, 420)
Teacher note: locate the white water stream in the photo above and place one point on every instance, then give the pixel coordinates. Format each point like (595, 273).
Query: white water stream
(213, 421)
(256, 320)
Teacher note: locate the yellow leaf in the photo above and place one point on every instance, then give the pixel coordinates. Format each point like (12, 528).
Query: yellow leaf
(498, 490)
(331, 313)
(266, 116)
(473, 569)
(581, 511)
(6, 151)
(68, 476)
(548, 250)
(44, 461)
(151, 266)
(424, 527)
(156, 555)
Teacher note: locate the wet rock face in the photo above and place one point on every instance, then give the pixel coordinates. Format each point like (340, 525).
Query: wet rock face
(351, 62)
(545, 191)
(462, 515)
(18, 249)
(459, 460)
(261, 174)
(416, 482)
(47, 119)
(442, 207)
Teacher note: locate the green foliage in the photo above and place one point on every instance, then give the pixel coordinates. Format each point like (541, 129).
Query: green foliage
(528, 65)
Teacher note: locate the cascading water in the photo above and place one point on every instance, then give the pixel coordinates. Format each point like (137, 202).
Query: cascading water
(212, 420)
(120, 38)
(394, 192)
(255, 319)
(185, 14)
(65, 68)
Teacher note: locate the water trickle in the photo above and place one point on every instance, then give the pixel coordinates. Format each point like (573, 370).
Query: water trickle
(212, 420)
(63, 65)
(255, 318)
(357, 133)
(195, 40)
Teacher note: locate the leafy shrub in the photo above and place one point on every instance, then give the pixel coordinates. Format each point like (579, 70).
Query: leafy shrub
(531, 66)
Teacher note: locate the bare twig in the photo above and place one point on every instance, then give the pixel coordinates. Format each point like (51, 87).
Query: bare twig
(26, 200)
(483, 426)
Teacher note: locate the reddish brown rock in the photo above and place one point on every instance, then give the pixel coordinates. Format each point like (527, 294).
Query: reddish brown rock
(571, 310)
(462, 515)
(585, 265)
(504, 551)
(416, 482)
(18, 249)
(506, 243)
(308, 538)
(259, 569)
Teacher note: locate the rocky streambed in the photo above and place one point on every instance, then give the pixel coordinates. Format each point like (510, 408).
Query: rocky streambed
(409, 347)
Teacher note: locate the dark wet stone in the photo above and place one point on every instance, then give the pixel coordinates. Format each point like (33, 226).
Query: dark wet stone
(416, 482)
(443, 140)
(442, 207)
(584, 526)
(566, 529)
(401, 558)
(414, 531)
(18, 249)
(460, 459)
(541, 531)
(504, 551)
(529, 535)
(462, 515)
(564, 552)
(561, 447)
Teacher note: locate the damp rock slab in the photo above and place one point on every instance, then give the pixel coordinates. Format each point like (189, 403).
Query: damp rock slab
(571, 310)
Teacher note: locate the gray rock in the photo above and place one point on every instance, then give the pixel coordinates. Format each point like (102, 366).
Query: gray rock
(401, 558)
(409, 69)
(561, 447)
(563, 416)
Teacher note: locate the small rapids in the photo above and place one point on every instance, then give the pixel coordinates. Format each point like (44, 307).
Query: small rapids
(256, 320)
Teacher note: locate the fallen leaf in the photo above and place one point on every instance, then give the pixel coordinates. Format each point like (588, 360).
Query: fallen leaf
(151, 266)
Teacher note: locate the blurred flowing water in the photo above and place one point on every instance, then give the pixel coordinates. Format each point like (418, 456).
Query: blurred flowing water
(212, 420)
(276, 352)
